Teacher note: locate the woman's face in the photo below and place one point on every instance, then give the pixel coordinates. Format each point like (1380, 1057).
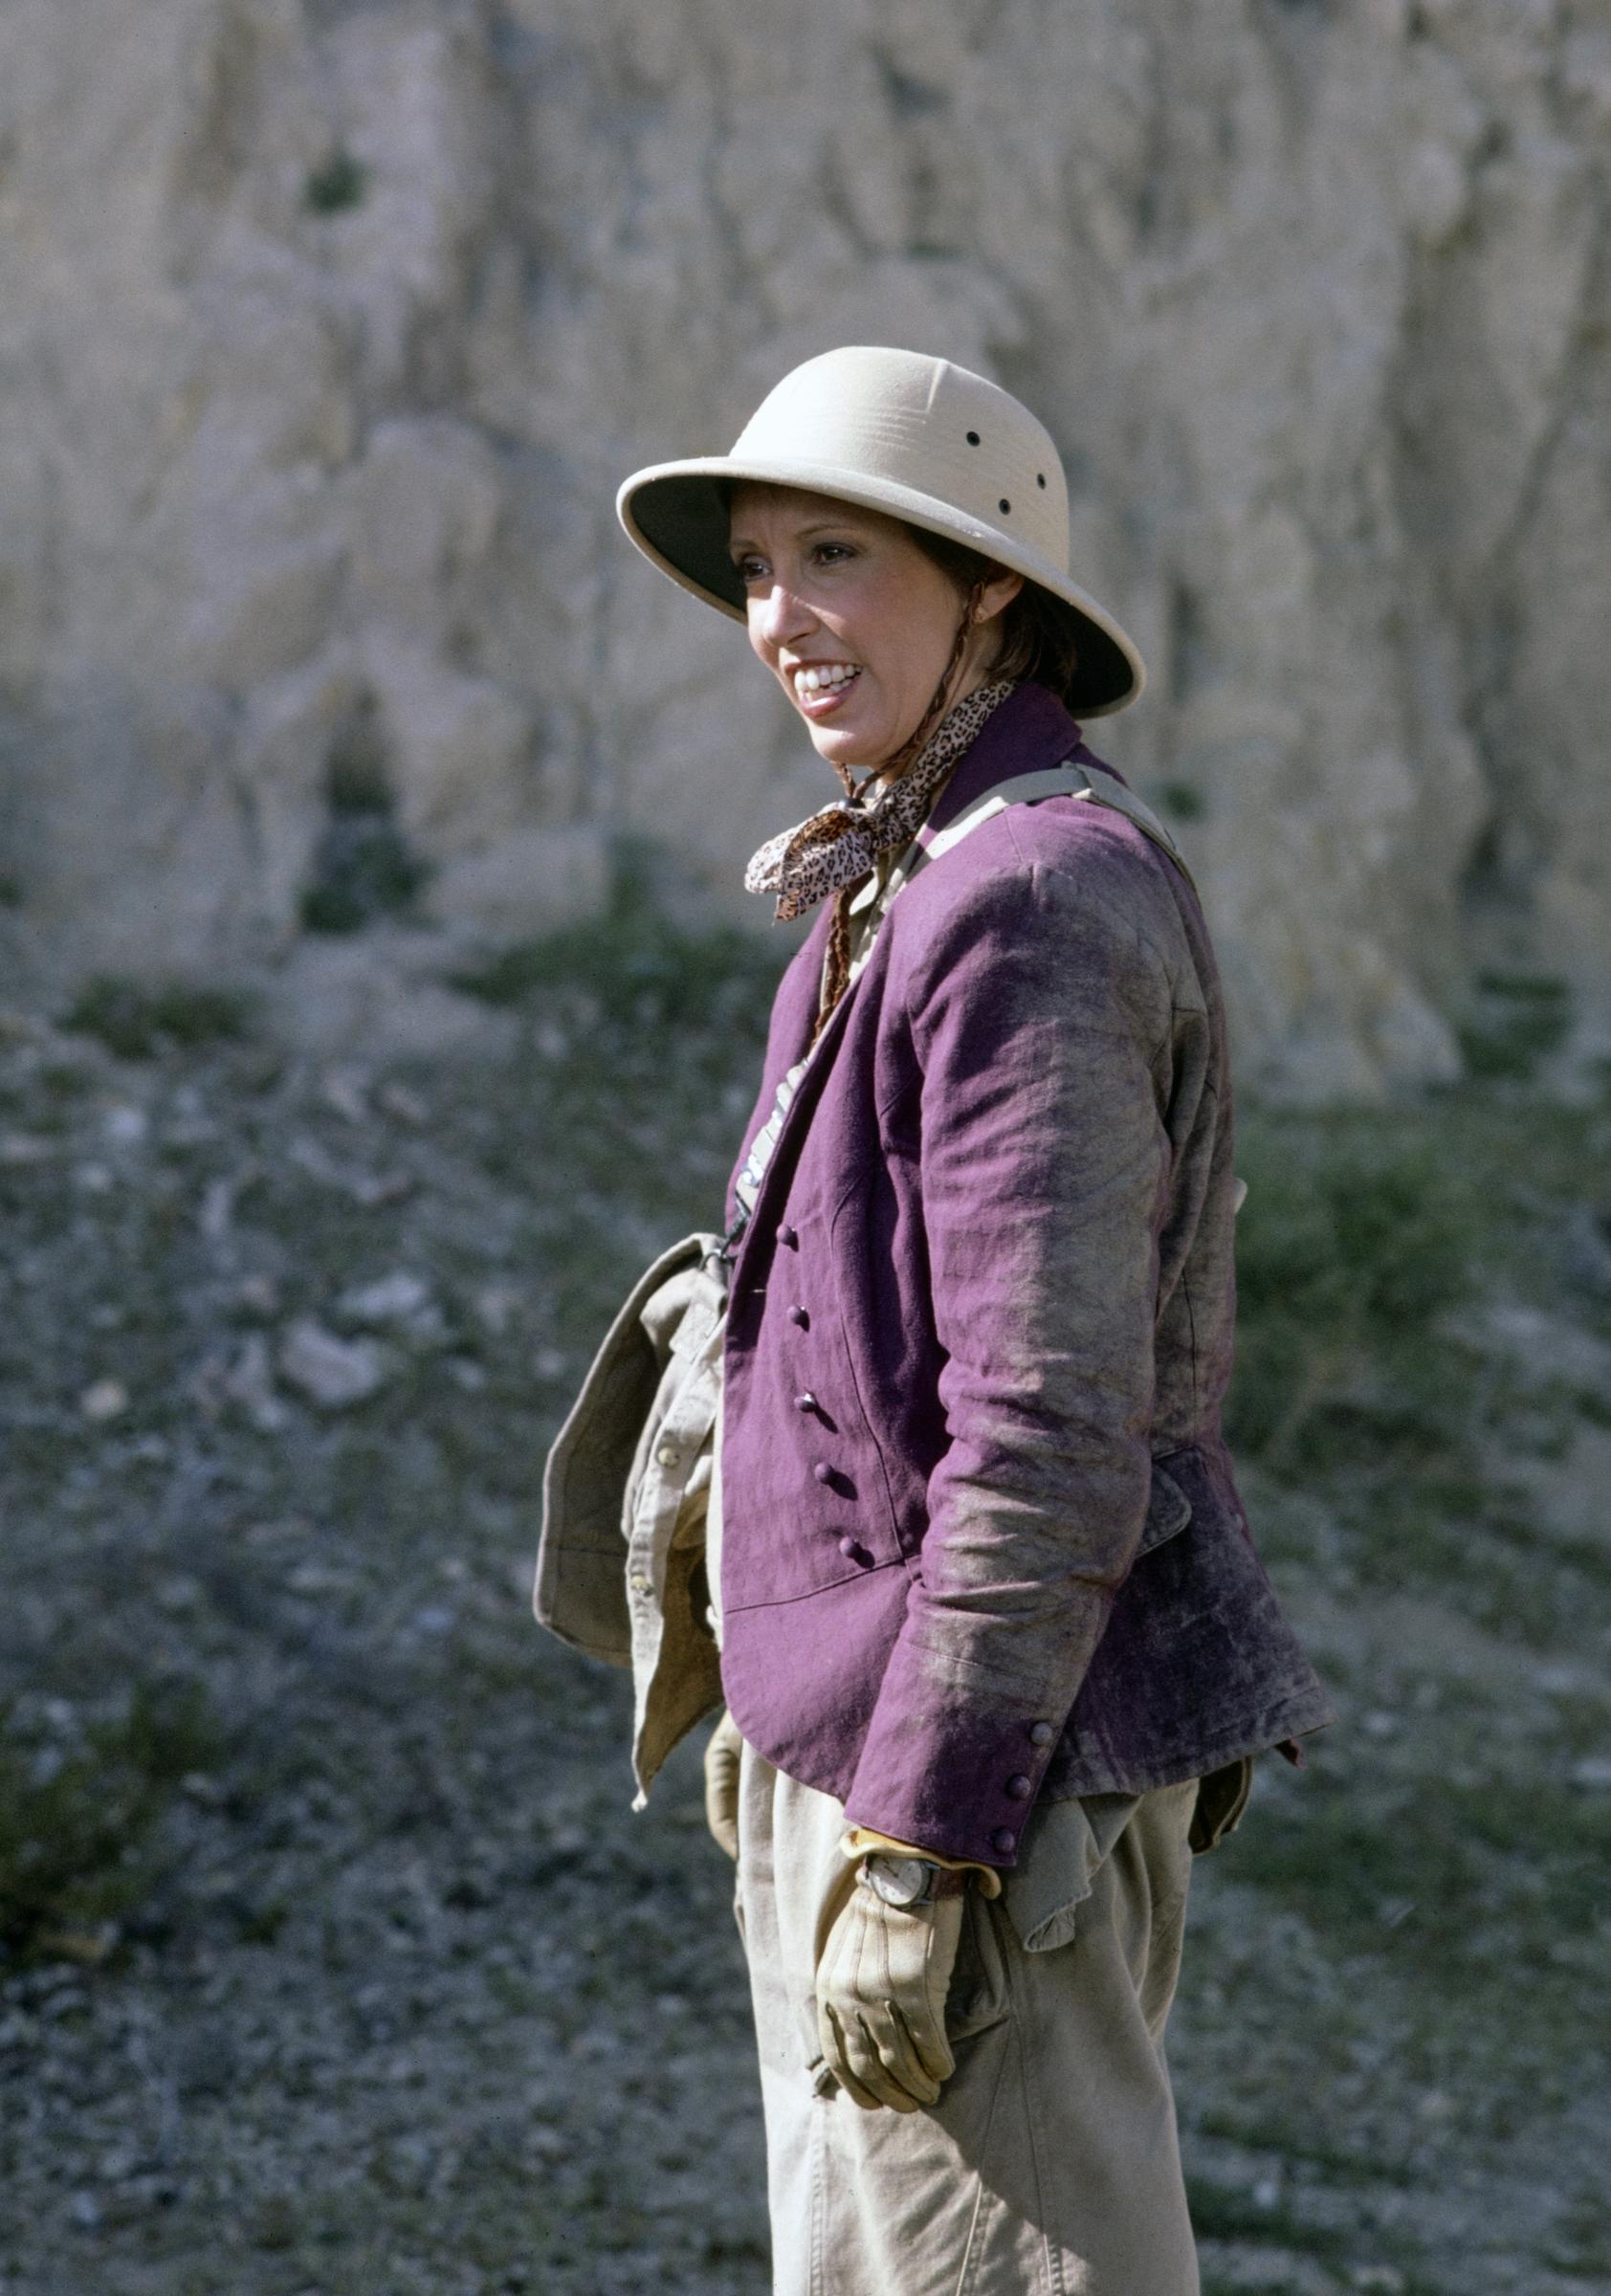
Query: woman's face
(853, 620)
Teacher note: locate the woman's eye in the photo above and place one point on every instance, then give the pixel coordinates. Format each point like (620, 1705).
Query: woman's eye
(749, 570)
(830, 553)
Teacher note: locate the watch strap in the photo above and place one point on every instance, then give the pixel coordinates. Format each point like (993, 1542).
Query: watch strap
(947, 1881)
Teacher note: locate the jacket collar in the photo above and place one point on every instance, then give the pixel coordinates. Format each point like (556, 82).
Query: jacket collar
(1030, 732)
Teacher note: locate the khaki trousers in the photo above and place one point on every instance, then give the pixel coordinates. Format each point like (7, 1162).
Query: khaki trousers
(1050, 2166)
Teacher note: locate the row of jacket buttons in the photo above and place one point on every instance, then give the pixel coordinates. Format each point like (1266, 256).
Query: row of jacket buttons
(823, 1470)
(1020, 1787)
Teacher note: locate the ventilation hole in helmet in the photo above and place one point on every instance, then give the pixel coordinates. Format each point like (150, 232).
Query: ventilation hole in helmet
(973, 438)
(1004, 504)
(1040, 477)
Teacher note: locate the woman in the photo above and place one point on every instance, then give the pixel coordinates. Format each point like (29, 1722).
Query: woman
(995, 1642)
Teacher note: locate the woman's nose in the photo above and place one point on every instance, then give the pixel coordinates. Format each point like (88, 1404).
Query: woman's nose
(782, 615)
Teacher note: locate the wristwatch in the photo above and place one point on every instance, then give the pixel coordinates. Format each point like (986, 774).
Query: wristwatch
(907, 1881)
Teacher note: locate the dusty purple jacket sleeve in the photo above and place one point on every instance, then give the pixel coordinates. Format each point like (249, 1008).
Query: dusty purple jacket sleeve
(1042, 1018)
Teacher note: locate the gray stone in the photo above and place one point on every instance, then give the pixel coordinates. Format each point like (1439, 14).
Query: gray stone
(395, 1298)
(331, 1372)
(1312, 301)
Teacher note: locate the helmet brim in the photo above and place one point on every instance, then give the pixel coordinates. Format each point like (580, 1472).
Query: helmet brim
(677, 513)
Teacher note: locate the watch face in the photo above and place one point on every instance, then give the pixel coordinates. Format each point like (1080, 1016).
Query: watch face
(898, 1880)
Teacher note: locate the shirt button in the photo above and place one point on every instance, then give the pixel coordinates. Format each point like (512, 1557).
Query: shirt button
(667, 1454)
(823, 1471)
(1004, 1840)
(799, 1317)
(805, 1403)
(789, 1237)
(1020, 1787)
(1041, 1734)
(851, 1549)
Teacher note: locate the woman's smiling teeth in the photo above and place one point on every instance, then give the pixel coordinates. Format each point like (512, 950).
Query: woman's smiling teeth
(824, 677)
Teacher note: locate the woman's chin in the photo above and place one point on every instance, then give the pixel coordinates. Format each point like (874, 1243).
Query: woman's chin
(855, 746)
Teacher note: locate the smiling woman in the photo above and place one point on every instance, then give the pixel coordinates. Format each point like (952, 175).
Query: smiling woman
(964, 1547)
(856, 621)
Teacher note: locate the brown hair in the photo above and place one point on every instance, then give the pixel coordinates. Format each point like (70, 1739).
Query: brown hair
(1037, 641)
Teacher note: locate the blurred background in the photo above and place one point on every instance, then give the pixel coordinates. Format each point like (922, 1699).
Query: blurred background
(379, 995)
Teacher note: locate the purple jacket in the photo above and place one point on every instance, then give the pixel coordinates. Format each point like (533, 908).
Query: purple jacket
(982, 1539)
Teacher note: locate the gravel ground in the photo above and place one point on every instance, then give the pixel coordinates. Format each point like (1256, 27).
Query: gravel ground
(353, 1973)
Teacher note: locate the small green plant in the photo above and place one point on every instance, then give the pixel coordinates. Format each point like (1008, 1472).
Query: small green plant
(1183, 800)
(139, 1019)
(645, 971)
(76, 1826)
(363, 866)
(1348, 1255)
(1516, 1021)
(340, 184)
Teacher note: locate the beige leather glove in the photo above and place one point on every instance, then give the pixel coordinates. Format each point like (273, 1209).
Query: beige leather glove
(881, 1987)
(721, 1786)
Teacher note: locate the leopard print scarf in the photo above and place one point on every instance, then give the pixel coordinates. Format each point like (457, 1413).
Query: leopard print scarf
(837, 847)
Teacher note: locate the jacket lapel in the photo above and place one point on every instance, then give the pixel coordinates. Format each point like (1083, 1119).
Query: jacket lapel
(807, 1092)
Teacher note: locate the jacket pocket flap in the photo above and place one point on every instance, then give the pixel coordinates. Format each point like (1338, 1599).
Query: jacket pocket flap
(1168, 1510)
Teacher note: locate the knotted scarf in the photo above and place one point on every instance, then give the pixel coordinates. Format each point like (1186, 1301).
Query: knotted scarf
(834, 849)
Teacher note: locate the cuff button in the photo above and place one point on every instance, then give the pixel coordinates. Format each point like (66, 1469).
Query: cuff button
(1041, 1734)
(1019, 1787)
(1004, 1840)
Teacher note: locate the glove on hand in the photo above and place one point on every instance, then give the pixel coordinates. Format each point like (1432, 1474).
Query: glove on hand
(721, 1786)
(881, 1987)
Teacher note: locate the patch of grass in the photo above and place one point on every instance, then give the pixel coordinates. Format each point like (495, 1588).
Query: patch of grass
(140, 1019)
(642, 972)
(1516, 1021)
(77, 1827)
(1349, 1250)
(1224, 2212)
(1580, 2246)
(1459, 1877)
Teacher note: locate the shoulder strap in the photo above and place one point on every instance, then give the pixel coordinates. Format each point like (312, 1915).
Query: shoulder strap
(1066, 780)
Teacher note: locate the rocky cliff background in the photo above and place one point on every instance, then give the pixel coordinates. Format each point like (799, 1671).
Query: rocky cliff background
(327, 330)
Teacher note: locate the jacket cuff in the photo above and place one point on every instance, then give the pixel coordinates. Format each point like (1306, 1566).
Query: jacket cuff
(957, 1768)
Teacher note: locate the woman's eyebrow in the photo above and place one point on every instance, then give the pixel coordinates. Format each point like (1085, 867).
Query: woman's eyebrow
(736, 542)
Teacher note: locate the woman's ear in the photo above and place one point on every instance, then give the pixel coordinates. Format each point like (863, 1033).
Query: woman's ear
(997, 593)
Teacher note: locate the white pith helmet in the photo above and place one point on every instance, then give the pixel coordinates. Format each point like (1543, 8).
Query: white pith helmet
(918, 438)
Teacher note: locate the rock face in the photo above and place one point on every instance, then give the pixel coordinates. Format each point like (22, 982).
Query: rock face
(327, 330)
